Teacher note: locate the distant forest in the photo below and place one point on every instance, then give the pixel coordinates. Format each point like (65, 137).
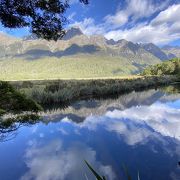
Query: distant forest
(171, 67)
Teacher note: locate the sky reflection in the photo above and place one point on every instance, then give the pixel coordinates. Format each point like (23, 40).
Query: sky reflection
(140, 130)
(53, 161)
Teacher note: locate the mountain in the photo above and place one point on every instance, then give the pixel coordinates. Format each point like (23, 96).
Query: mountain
(7, 39)
(156, 51)
(9, 45)
(74, 31)
(95, 52)
(172, 51)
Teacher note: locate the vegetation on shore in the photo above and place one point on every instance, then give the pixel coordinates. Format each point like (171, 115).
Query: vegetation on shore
(65, 91)
(171, 67)
(15, 110)
(12, 101)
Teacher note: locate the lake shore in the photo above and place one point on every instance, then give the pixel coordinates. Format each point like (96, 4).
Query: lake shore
(73, 79)
(68, 90)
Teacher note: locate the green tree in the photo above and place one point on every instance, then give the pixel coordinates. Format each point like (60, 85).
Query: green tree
(171, 67)
(45, 18)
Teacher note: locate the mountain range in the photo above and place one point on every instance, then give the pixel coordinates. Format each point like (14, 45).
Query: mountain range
(76, 44)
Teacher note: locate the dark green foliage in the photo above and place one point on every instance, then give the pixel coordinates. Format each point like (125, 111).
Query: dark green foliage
(27, 119)
(171, 67)
(2, 112)
(12, 101)
(44, 17)
(15, 102)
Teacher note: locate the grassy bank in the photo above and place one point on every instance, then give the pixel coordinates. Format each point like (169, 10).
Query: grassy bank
(65, 91)
(12, 101)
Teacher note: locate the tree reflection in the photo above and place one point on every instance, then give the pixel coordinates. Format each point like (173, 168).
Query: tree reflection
(9, 124)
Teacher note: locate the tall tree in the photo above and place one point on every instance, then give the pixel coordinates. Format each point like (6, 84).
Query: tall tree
(45, 18)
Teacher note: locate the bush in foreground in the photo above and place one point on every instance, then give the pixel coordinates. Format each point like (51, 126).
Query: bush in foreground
(12, 101)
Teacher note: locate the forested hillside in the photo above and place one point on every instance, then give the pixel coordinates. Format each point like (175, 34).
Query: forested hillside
(171, 67)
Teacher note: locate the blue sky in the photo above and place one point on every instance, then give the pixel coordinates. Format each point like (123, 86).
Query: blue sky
(141, 21)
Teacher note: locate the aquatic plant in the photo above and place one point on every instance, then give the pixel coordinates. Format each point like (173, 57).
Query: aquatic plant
(99, 177)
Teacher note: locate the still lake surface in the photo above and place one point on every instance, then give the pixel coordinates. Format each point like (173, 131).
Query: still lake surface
(140, 130)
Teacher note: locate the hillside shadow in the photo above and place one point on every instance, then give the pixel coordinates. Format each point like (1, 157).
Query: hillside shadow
(72, 50)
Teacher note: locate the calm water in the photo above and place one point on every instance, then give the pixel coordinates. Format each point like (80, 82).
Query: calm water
(140, 130)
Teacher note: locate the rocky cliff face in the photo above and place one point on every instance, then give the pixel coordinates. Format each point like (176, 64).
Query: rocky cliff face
(156, 51)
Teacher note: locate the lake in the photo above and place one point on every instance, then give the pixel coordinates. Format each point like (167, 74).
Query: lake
(139, 132)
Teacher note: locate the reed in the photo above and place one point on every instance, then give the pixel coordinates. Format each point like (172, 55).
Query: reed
(66, 91)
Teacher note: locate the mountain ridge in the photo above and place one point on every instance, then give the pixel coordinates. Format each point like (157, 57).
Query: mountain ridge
(74, 35)
(76, 44)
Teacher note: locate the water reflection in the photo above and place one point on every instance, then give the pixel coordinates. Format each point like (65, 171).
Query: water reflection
(140, 129)
(65, 163)
(10, 123)
(80, 110)
(136, 123)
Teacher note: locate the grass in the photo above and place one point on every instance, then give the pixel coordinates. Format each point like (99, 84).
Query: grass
(73, 67)
(65, 91)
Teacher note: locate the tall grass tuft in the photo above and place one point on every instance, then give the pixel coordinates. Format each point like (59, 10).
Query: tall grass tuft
(66, 91)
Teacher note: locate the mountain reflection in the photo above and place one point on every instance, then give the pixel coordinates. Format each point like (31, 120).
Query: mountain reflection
(79, 111)
(137, 123)
(140, 130)
(82, 109)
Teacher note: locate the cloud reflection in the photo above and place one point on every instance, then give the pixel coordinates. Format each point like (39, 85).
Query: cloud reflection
(157, 117)
(53, 161)
(137, 123)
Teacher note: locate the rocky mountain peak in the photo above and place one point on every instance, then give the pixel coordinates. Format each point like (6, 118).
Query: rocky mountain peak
(73, 31)
(111, 42)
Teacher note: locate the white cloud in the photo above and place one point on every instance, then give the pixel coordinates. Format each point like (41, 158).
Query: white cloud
(119, 19)
(135, 9)
(170, 15)
(162, 29)
(89, 27)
